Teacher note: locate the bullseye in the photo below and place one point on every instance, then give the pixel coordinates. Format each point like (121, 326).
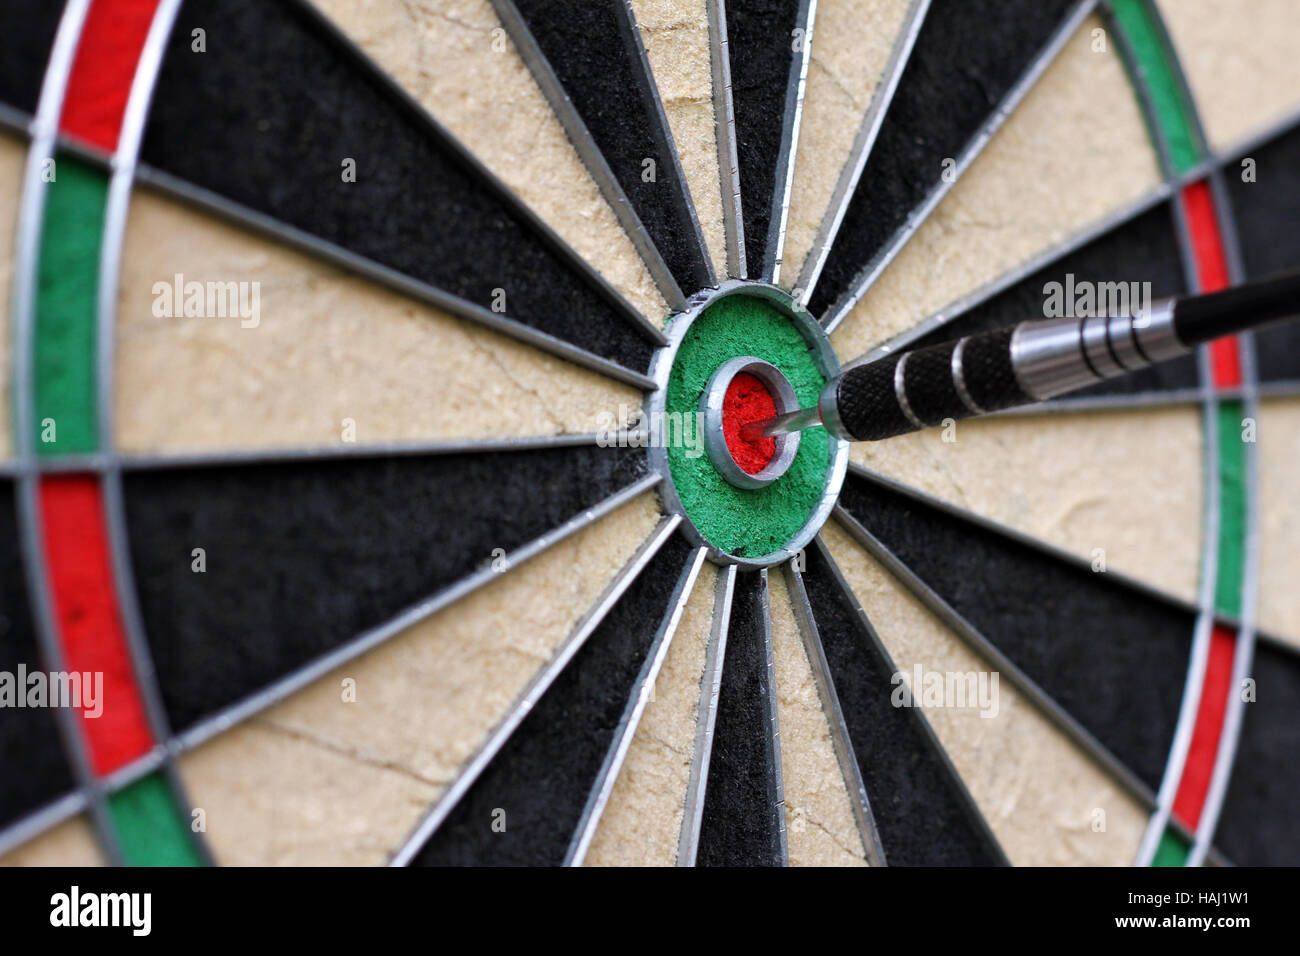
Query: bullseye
(747, 400)
(743, 390)
(745, 352)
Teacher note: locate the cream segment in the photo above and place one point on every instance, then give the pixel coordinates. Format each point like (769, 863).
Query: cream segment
(851, 46)
(70, 843)
(642, 822)
(1122, 487)
(676, 37)
(1047, 802)
(13, 159)
(820, 827)
(1240, 62)
(328, 348)
(1278, 518)
(456, 59)
(316, 780)
(1073, 152)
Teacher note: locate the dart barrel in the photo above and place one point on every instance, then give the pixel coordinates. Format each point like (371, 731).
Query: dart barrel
(992, 371)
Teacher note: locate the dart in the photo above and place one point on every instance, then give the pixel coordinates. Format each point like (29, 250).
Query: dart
(1030, 362)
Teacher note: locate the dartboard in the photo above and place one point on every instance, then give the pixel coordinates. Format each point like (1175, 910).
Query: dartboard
(373, 488)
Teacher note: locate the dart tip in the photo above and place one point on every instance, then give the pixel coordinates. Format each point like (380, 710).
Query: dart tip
(780, 424)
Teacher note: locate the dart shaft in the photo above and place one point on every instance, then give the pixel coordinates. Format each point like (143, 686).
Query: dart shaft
(781, 424)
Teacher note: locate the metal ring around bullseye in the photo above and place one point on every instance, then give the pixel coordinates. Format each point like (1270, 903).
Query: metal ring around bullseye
(715, 441)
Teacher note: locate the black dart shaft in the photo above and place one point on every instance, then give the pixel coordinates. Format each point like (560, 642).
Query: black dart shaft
(1029, 362)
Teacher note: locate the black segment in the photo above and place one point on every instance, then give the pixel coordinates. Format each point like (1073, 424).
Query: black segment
(1259, 825)
(542, 777)
(301, 557)
(1140, 250)
(761, 37)
(742, 822)
(292, 102)
(1267, 212)
(26, 39)
(967, 58)
(923, 814)
(595, 53)
(31, 751)
(1114, 657)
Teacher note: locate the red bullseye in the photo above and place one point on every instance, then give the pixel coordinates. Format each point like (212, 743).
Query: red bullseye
(742, 390)
(747, 400)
